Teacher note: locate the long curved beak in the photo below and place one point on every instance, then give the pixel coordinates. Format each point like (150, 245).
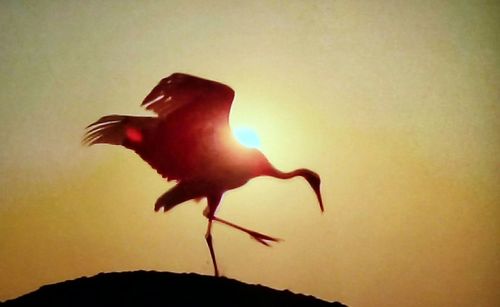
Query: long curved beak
(315, 184)
(317, 191)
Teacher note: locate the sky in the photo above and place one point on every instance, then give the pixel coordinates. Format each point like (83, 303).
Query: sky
(394, 103)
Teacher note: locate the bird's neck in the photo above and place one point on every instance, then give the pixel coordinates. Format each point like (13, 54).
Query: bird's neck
(273, 172)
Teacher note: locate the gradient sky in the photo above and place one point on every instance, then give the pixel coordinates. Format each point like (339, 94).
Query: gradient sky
(394, 103)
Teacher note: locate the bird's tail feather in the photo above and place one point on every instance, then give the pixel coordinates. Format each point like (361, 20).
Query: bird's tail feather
(115, 129)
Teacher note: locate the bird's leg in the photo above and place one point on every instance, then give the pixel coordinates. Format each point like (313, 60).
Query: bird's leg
(213, 202)
(208, 238)
(259, 237)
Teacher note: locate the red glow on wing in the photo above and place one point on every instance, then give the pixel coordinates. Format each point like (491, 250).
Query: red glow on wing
(133, 135)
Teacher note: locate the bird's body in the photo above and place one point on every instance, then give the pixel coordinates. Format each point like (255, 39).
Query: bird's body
(190, 141)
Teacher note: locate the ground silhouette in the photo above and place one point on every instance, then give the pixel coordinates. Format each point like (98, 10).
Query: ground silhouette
(150, 288)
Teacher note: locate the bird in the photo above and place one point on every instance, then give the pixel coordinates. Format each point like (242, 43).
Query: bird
(189, 141)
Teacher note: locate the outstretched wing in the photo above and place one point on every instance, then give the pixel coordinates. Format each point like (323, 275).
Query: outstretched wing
(193, 122)
(185, 91)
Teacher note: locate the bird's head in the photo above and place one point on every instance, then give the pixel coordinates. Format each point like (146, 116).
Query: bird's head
(315, 182)
(311, 177)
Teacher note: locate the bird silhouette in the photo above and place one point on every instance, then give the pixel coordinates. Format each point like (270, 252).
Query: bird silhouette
(190, 142)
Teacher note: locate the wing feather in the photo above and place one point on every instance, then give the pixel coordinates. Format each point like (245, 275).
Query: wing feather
(193, 122)
(185, 140)
(181, 90)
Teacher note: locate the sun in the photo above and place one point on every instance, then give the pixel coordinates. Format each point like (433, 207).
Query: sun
(246, 137)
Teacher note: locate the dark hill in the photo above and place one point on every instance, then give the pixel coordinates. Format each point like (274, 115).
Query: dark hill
(151, 288)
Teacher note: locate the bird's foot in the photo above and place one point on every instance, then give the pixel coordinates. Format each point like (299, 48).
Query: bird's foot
(262, 238)
(259, 237)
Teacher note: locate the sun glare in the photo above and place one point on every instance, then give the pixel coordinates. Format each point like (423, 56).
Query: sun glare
(247, 137)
